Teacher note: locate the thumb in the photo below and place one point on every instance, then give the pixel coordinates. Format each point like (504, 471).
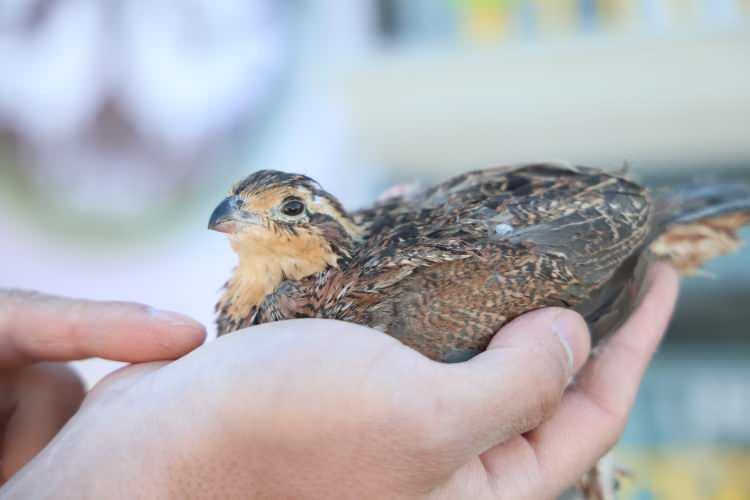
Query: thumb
(515, 384)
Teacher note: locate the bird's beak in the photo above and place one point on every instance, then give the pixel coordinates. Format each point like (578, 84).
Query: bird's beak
(229, 216)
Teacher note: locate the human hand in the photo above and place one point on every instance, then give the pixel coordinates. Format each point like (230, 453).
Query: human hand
(322, 409)
(38, 332)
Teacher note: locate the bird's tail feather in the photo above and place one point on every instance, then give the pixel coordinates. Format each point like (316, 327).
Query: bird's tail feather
(698, 222)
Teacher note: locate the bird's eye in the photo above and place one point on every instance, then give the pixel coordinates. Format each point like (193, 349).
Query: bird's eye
(293, 208)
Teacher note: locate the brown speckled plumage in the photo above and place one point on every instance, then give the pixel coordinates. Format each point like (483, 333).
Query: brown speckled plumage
(443, 269)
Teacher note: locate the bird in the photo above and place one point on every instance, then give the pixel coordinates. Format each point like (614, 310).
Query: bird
(443, 269)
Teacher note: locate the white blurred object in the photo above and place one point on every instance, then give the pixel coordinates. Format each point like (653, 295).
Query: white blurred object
(50, 86)
(180, 73)
(191, 70)
(119, 110)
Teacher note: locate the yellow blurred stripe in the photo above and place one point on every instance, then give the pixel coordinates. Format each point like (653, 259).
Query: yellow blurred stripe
(618, 13)
(486, 20)
(686, 474)
(556, 16)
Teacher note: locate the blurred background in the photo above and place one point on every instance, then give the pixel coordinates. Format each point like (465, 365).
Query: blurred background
(123, 123)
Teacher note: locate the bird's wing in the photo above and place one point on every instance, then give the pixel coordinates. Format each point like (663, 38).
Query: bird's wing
(594, 219)
(463, 258)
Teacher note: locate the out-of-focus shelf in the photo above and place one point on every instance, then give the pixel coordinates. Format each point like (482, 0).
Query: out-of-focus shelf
(599, 100)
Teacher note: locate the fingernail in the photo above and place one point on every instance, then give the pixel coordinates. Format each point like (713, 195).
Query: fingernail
(173, 318)
(564, 325)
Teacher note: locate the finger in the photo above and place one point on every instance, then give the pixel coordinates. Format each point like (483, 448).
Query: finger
(594, 412)
(514, 385)
(37, 327)
(46, 396)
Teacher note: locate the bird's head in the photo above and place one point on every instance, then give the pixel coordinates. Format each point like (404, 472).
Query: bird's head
(285, 223)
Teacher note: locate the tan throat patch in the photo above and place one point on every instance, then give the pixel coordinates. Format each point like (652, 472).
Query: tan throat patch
(266, 258)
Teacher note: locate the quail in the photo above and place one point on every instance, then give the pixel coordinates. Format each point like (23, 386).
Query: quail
(444, 268)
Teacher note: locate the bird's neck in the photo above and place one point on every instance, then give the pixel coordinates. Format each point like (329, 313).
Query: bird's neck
(262, 268)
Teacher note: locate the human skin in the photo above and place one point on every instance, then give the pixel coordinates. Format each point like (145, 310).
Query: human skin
(38, 333)
(323, 409)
